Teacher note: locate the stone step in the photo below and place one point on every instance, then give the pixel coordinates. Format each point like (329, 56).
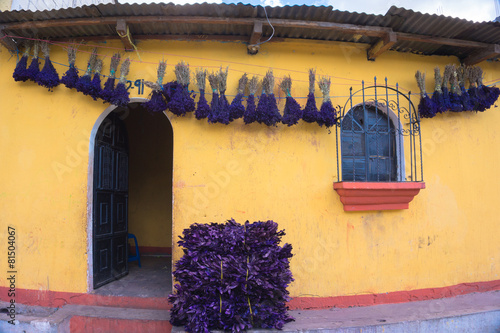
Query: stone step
(86, 319)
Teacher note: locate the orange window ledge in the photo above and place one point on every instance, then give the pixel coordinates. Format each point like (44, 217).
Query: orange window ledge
(363, 196)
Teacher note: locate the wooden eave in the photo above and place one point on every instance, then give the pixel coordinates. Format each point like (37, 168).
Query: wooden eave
(385, 36)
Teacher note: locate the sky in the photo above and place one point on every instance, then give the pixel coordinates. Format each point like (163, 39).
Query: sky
(473, 10)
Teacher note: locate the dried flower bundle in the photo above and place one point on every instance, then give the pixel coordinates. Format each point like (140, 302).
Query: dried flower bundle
(109, 86)
(70, 77)
(232, 277)
(34, 67)
(120, 95)
(292, 112)
(267, 109)
(21, 70)
(327, 113)
(96, 88)
(455, 103)
(311, 113)
(249, 116)
(157, 101)
(48, 76)
(84, 84)
(236, 109)
(426, 107)
(180, 101)
(202, 109)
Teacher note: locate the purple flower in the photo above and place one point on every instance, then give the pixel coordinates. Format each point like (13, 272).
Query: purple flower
(249, 115)
(120, 95)
(95, 84)
(156, 102)
(232, 277)
(292, 113)
(70, 77)
(327, 114)
(107, 92)
(311, 113)
(33, 69)
(267, 110)
(180, 100)
(203, 109)
(20, 72)
(48, 76)
(236, 109)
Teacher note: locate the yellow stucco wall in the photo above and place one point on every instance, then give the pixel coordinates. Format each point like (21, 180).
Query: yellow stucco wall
(448, 236)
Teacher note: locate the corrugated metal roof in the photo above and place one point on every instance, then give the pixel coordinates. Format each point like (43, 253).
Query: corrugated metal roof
(398, 19)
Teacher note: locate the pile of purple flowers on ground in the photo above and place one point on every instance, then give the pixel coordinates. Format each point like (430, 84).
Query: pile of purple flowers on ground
(232, 277)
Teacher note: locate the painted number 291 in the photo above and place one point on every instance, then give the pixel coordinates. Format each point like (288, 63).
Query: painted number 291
(139, 84)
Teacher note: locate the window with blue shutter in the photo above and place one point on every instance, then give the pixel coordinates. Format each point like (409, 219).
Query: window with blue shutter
(368, 145)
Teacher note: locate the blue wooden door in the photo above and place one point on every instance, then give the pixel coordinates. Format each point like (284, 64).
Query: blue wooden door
(368, 146)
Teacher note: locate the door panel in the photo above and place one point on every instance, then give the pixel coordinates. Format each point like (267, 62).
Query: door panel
(110, 216)
(102, 215)
(119, 257)
(120, 210)
(102, 261)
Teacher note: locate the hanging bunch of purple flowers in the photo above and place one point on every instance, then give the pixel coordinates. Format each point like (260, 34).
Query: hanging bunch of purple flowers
(70, 77)
(462, 75)
(120, 96)
(327, 113)
(48, 76)
(487, 96)
(21, 70)
(84, 84)
(232, 277)
(202, 109)
(236, 109)
(249, 115)
(217, 114)
(223, 102)
(437, 96)
(455, 100)
(180, 101)
(34, 67)
(426, 107)
(95, 84)
(157, 101)
(109, 86)
(267, 109)
(311, 112)
(292, 112)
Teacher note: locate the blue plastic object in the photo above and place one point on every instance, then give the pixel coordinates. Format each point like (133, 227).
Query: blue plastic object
(137, 255)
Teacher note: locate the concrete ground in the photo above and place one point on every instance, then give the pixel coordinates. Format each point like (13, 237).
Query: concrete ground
(152, 279)
(478, 312)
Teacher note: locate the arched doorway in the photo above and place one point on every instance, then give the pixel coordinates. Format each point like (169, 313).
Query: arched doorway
(149, 198)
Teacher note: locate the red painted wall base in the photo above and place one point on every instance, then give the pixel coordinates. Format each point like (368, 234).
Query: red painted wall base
(392, 297)
(59, 299)
(152, 250)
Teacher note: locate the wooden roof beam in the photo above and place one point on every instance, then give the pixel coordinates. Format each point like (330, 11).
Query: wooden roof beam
(481, 55)
(124, 33)
(382, 45)
(9, 43)
(440, 40)
(252, 47)
(371, 31)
